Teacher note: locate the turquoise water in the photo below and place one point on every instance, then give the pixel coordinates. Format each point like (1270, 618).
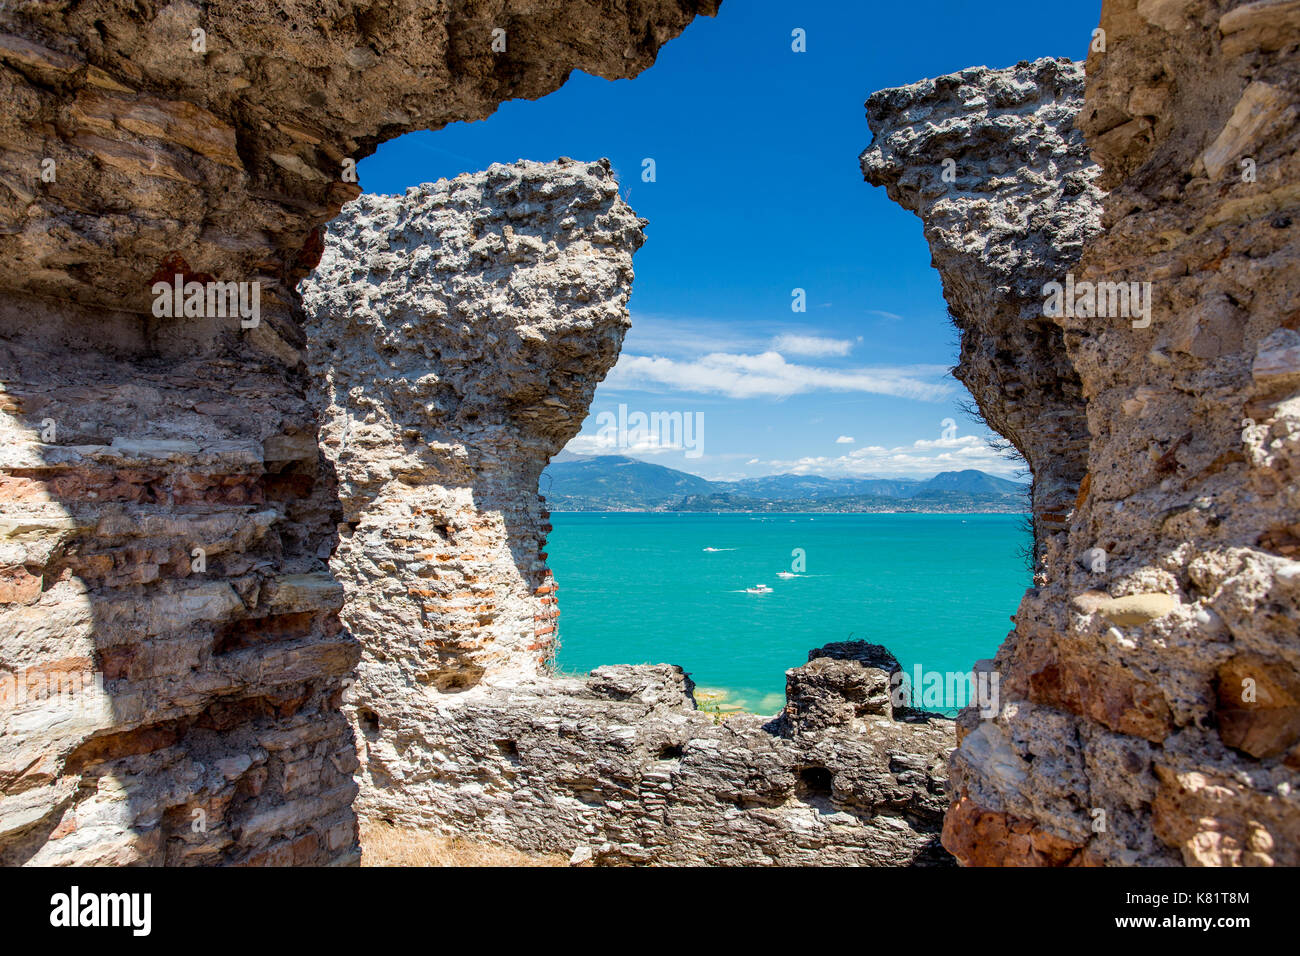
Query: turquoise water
(937, 590)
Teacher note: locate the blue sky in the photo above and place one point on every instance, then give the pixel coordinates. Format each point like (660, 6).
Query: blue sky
(757, 192)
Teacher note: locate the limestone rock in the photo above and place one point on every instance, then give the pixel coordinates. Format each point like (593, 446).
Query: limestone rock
(1277, 361)
(840, 684)
(166, 615)
(442, 325)
(558, 765)
(1128, 611)
(1261, 107)
(1129, 708)
(227, 151)
(1259, 705)
(458, 333)
(991, 162)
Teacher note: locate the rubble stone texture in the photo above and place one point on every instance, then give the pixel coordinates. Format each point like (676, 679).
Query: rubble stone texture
(457, 334)
(1150, 709)
(991, 162)
(620, 768)
(231, 157)
(158, 705)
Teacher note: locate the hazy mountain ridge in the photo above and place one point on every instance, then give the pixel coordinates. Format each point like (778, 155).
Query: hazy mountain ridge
(619, 483)
(784, 487)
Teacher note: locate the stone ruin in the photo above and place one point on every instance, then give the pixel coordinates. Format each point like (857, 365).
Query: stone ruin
(264, 635)
(1150, 709)
(457, 334)
(154, 712)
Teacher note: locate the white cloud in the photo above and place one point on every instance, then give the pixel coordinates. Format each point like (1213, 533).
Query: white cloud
(769, 375)
(813, 346)
(636, 443)
(922, 458)
(659, 335)
(844, 440)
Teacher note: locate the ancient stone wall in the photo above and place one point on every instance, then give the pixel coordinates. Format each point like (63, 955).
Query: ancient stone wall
(991, 162)
(1151, 700)
(457, 334)
(169, 632)
(620, 768)
(171, 659)
(171, 656)
(227, 149)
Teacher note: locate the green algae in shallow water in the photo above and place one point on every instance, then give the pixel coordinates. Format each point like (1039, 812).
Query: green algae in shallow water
(937, 590)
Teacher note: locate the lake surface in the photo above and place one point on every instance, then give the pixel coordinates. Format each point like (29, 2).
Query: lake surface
(937, 590)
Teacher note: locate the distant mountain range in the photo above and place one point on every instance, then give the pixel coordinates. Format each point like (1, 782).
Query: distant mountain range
(617, 483)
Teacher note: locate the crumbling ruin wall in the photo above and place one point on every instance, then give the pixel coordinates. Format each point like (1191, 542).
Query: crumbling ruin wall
(171, 659)
(620, 768)
(229, 147)
(1150, 707)
(457, 334)
(991, 162)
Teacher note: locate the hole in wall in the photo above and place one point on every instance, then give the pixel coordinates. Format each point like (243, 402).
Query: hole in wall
(369, 722)
(508, 749)
(814, 782)
(464, 677)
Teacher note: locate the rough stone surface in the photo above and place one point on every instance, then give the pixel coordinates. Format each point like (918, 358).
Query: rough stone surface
(621, 768)
(231, 158)
(458, 333)
(155, 709)
(1148, 711)
(991, 162)
(157, 705)
(150, 711)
